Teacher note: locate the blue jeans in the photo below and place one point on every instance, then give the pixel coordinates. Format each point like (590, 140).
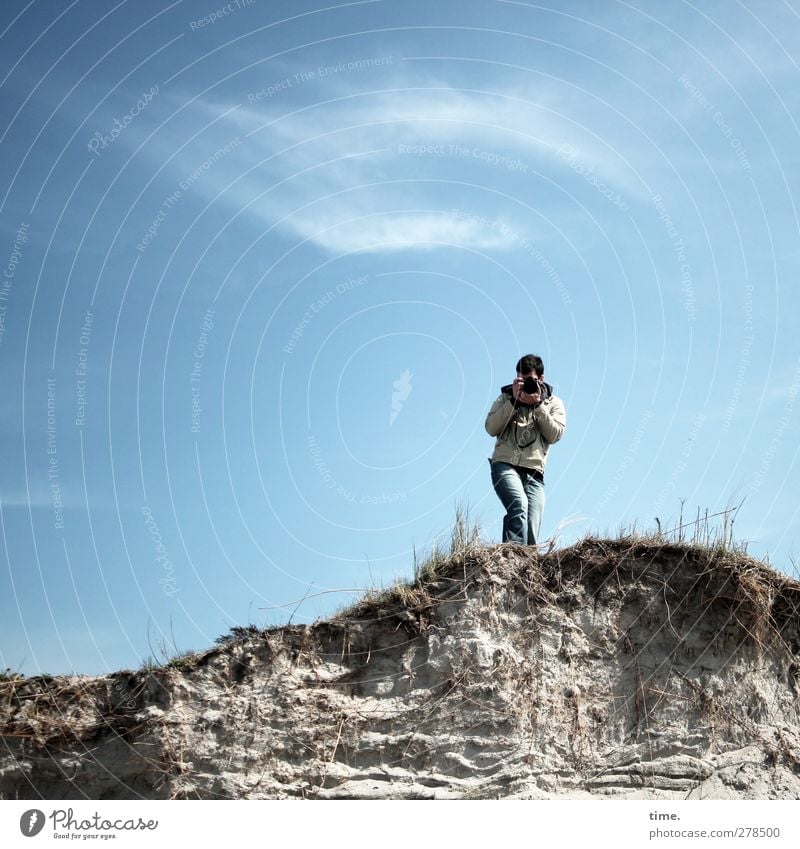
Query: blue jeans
(523, 497)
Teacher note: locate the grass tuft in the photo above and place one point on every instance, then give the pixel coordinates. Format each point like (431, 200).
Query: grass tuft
(711, 532)
(464, 539)
(9, 674)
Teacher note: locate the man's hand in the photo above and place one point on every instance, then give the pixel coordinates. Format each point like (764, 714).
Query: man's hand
(522, 396)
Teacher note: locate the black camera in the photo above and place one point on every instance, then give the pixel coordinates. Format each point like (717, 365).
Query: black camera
(531, 385)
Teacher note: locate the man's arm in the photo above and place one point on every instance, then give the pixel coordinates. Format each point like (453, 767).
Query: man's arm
(500, 415)
(551, 419)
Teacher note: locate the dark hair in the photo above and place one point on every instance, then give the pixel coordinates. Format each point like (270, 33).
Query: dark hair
(529, 363)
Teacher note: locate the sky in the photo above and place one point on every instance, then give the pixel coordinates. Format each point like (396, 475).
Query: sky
(266, 265)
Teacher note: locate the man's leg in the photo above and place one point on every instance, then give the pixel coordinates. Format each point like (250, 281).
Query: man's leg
(534, 491)
(508, 486)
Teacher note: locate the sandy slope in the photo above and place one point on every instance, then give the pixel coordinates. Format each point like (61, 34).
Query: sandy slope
(610, 669)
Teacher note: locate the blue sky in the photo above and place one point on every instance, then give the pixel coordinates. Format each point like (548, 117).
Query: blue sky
(267, 264)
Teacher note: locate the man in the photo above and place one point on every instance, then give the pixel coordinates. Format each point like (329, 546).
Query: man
(526, 419)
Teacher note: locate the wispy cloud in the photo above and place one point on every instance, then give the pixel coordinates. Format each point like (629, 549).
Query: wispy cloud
(14, 499)
(370, 172)
(389, 231)
(506, 120)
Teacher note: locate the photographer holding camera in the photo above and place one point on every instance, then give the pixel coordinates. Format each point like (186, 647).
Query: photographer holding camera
(526, 419)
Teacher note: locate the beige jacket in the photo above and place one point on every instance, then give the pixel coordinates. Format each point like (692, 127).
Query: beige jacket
(524, 434)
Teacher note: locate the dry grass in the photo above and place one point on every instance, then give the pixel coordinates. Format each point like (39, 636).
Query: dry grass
(443, 560)
(713, 532)
(705, 547)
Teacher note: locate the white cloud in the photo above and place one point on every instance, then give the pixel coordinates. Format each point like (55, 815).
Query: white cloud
(20, 499)
(344, 175)
(388, 231)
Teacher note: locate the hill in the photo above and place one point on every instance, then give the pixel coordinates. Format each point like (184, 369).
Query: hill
(614, 668)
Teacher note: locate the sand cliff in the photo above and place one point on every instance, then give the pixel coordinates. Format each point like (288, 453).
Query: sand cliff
(627, 668)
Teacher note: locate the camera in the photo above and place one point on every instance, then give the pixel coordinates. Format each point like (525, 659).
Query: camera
(531, 385)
